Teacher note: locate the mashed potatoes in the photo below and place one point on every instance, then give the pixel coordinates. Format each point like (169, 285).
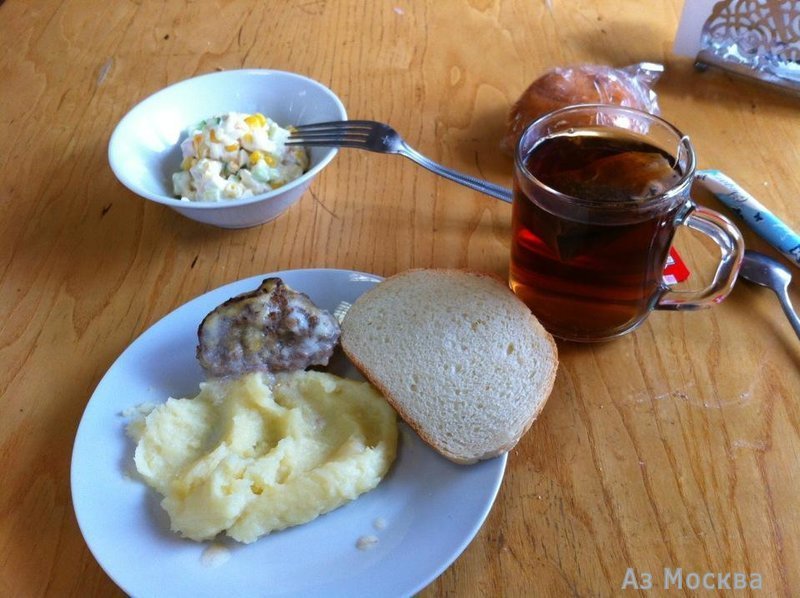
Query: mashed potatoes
(255, 454)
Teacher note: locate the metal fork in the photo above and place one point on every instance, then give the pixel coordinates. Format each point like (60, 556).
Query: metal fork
(379, 137)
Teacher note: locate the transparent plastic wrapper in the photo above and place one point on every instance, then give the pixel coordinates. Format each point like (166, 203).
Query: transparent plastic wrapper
(630, 86)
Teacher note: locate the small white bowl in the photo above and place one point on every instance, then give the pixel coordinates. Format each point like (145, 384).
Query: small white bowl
(144, 149)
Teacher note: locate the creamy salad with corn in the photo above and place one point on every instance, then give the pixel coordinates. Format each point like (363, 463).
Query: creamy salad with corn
(236, 155)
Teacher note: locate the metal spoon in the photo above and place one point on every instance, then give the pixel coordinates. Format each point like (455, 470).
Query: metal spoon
(761, 269)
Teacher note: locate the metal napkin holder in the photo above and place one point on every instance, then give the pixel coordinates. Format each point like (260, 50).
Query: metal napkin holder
(756, 38)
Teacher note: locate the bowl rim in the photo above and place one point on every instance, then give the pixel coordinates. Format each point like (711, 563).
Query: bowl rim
(174, 202)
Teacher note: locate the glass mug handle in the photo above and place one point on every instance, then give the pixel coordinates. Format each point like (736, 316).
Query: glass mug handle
(725, 234)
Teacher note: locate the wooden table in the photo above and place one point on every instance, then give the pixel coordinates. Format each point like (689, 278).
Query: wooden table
(674, 447)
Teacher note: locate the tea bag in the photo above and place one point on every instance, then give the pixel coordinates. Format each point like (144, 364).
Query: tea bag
(631, 176)
(565, 239)
(571, 240)
(623, 177)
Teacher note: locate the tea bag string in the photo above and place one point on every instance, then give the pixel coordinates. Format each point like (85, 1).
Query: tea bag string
(683, 142)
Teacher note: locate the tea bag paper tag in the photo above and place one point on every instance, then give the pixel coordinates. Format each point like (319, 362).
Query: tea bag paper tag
(675, 270)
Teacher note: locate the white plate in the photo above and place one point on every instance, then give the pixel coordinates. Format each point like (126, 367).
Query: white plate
(432, 508)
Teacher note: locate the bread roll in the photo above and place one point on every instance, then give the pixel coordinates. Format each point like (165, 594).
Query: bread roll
(588, 84)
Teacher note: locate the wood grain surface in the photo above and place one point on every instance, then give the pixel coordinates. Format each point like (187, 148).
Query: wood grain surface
(675, 446)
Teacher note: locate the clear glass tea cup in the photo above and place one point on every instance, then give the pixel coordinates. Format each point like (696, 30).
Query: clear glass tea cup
(599, 192)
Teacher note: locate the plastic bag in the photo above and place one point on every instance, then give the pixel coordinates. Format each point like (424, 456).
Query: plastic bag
(630, 86)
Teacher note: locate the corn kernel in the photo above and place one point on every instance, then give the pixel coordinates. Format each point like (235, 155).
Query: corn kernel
(213, 136)
(188, 162)
(270, 160)
(255, 157)
(233, 147)
(247, 138)
(256, 120)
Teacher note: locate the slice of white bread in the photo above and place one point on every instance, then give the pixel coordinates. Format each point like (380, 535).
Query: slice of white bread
(462, 360)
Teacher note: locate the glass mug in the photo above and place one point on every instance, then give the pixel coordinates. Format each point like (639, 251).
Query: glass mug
(599, 192)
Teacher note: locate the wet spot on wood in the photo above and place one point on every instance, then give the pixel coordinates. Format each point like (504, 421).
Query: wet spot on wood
(104, 70)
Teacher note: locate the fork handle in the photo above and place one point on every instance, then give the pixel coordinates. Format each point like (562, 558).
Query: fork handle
(496, 191)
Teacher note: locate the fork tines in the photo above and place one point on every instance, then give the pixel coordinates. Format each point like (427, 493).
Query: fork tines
(339, 133)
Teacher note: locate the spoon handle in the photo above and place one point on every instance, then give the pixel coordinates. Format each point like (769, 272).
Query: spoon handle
(786, 304)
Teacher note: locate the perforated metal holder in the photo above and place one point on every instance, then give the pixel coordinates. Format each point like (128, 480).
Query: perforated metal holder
(759, 39)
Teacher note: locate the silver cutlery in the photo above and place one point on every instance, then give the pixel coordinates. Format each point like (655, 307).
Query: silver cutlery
(765, 271)
(383, 139)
